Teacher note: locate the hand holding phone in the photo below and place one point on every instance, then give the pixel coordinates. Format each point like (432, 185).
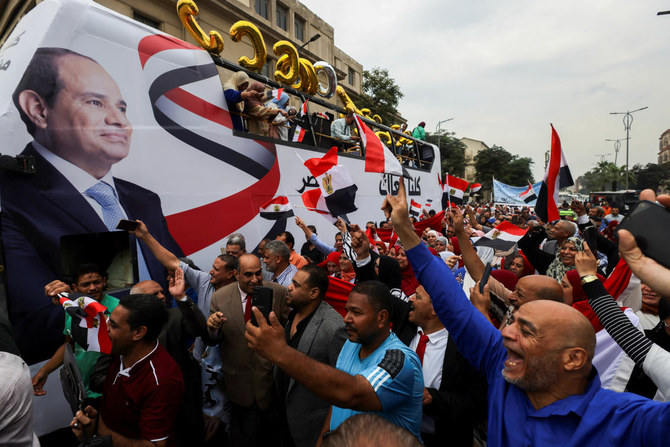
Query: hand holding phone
(262, 299)
(485, 277)
(128, 225)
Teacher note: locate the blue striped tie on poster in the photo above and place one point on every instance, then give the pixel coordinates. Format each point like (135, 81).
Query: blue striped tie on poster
(512, 195)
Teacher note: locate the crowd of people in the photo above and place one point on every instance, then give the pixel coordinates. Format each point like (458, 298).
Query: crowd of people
(268, 113)
(567, 342)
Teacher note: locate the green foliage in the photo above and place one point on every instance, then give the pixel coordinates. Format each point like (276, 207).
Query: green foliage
(650, 176)
(505, 167)
(452, 152)
(380, 94)
(606, 176)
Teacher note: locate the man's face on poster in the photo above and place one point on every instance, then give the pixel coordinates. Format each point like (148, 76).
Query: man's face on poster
(87, 124)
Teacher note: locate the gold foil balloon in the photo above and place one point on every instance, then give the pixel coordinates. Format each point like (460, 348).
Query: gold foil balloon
(395, 127)
(377, 118)
(327, 90)
(242, 28)
(187, 11)
(346, 101)
(384, 136)
(312, 84)
(366, 113)
(287, 64)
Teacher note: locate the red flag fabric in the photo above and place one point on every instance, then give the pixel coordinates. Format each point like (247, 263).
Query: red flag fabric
(475, 187)
(319, 166)
(338, 294)
(378, 158)
(556, 177)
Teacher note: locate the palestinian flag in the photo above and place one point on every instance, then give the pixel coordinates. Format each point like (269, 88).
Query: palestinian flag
(336, 186)
(89, 323)
(277, 208)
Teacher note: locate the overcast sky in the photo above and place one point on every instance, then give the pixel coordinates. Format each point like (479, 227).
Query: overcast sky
(506, 69)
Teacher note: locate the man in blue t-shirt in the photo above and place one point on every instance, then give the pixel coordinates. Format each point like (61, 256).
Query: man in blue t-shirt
(375, 372)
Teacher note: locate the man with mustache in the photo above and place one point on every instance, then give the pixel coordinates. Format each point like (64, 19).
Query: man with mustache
(375, 371)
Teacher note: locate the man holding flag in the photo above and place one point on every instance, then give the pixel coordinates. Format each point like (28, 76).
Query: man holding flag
(82, 332)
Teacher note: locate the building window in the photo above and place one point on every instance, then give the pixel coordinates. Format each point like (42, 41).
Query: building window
(146, 20)
(299, 29)
(350, 78)
(262, 8)
(282, 14)
(266, 68)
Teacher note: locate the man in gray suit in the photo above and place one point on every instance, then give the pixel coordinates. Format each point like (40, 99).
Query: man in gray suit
(317, 330)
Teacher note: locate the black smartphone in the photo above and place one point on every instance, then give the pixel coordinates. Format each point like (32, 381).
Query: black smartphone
(649, 223)
(128, 225)
(485, 277)
(590, 237)
(263, 301)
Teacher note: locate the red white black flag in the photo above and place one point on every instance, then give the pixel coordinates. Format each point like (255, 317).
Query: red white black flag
(556, 177)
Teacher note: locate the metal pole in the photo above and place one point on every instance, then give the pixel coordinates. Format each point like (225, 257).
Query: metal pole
(437, 130)
(627, 121)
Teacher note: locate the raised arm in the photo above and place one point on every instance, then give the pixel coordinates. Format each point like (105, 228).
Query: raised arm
(162, 254)
(473, 264)
(330, 384)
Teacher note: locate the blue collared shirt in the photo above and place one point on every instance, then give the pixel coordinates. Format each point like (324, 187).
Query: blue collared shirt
(286, 276)
(597, 417)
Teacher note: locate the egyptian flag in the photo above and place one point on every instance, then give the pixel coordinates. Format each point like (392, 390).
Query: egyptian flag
(556, 177)
(475, 187)
(502, 238)
(415, 209)
(378, 158)
(276, 94)
(89, 323)
(314, 201)
(336, 186)
(452, 191)
(277, 208)
(299, 132)
(529, 194)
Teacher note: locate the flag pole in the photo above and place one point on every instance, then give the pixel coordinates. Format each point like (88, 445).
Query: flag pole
(448, 191)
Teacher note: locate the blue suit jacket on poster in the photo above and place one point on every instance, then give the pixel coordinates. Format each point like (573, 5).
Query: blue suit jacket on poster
(36, 211)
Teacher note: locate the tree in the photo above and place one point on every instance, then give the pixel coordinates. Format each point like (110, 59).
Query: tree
(606, 176)
(380, 94)
(452, 152)
(650, 176)
(505, 167)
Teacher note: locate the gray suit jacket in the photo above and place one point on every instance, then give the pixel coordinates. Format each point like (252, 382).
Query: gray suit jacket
(322, 340)
(247, 377)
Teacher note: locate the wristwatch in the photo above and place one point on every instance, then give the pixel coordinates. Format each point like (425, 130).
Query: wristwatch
(588, 278)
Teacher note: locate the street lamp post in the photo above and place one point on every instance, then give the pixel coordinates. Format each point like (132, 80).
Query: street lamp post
(437, 130)
(627, 121)
(617, 146)
(314, 37)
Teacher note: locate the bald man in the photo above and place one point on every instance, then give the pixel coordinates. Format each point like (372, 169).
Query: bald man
(548, 393)
(183, 324)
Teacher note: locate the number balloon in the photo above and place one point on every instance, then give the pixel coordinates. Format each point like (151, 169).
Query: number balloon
(187, 10)
(242, 28)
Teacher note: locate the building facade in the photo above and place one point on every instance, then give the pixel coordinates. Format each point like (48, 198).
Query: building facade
(664, 147)
(472, 147)
(277, 20)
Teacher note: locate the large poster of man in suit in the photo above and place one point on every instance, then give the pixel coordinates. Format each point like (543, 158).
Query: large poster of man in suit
(76, 114)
